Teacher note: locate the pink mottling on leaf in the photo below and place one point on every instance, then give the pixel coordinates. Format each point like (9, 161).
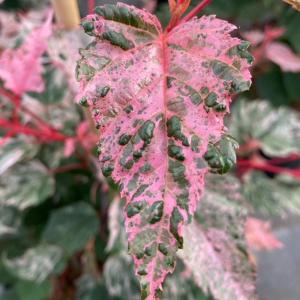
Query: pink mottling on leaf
(21, 68)
(259, 236)
(216, 264)
(158, 99)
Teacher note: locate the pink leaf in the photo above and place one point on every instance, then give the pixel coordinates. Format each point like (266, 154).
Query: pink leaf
(259, 235)
(159, 100)
(150, 5)
(21, 68)
(283, 56)
(70, 146)
(255, 37)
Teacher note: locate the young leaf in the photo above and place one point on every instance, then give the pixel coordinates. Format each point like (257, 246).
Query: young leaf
(21, 68)
(283, 56)
(159, 99)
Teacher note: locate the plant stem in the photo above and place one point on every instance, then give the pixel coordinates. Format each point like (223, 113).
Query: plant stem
(67, 168)
(195, 11)
(23, 129)
(16, 100)
(263, 166)
(282, 160)
(91, 6)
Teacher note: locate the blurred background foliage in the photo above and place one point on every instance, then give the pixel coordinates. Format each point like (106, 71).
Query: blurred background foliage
(61, 232)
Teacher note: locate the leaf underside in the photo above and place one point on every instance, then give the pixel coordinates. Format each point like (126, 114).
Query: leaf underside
(159, 100)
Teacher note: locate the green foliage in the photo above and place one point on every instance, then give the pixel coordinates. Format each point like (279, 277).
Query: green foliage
(277, 131)
(26, 184)
(79, 219)
(275, 196)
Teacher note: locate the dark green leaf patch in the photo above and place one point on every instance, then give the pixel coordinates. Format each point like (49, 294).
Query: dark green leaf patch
(124, 15)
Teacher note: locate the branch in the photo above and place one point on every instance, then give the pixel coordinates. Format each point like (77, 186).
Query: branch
(67, 168)
(263, 166)
(16, 100)
(91, 6)
(195, 11)
(23, 129)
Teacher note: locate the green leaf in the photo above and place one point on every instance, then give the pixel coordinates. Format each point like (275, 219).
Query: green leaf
(117, 237)
(278, 196)
(292, 86)
(276, 130)
(36, 264)
(88, 288)
(25, 185)
(10, 222)
(119, 277)
(33, 291)
(223, 206)
(221, 157)
(14, 151)
(8, 294)
(55, 87)
(270, 87)
(181, 286)
(71, 227)
(291, 22)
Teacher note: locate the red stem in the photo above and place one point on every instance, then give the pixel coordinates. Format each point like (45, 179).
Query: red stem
(282, 160)
(16, 100)
(194, 12)
(43, 135)
(91, 6)
(248, 164)
(68, 168)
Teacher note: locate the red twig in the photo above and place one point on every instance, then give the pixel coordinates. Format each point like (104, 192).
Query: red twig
(68, 168)
(39, 120)
(195, 11)
(91, 6)
(23, 129)
(16, 100)
(263, 166)
(282, 160)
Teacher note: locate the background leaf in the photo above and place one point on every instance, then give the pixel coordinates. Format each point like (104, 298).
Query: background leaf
(71, 227)
(276, 131)
(36, 264)
(25, 185)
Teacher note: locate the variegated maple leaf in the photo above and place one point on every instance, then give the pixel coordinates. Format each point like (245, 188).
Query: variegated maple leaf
(159, 98)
